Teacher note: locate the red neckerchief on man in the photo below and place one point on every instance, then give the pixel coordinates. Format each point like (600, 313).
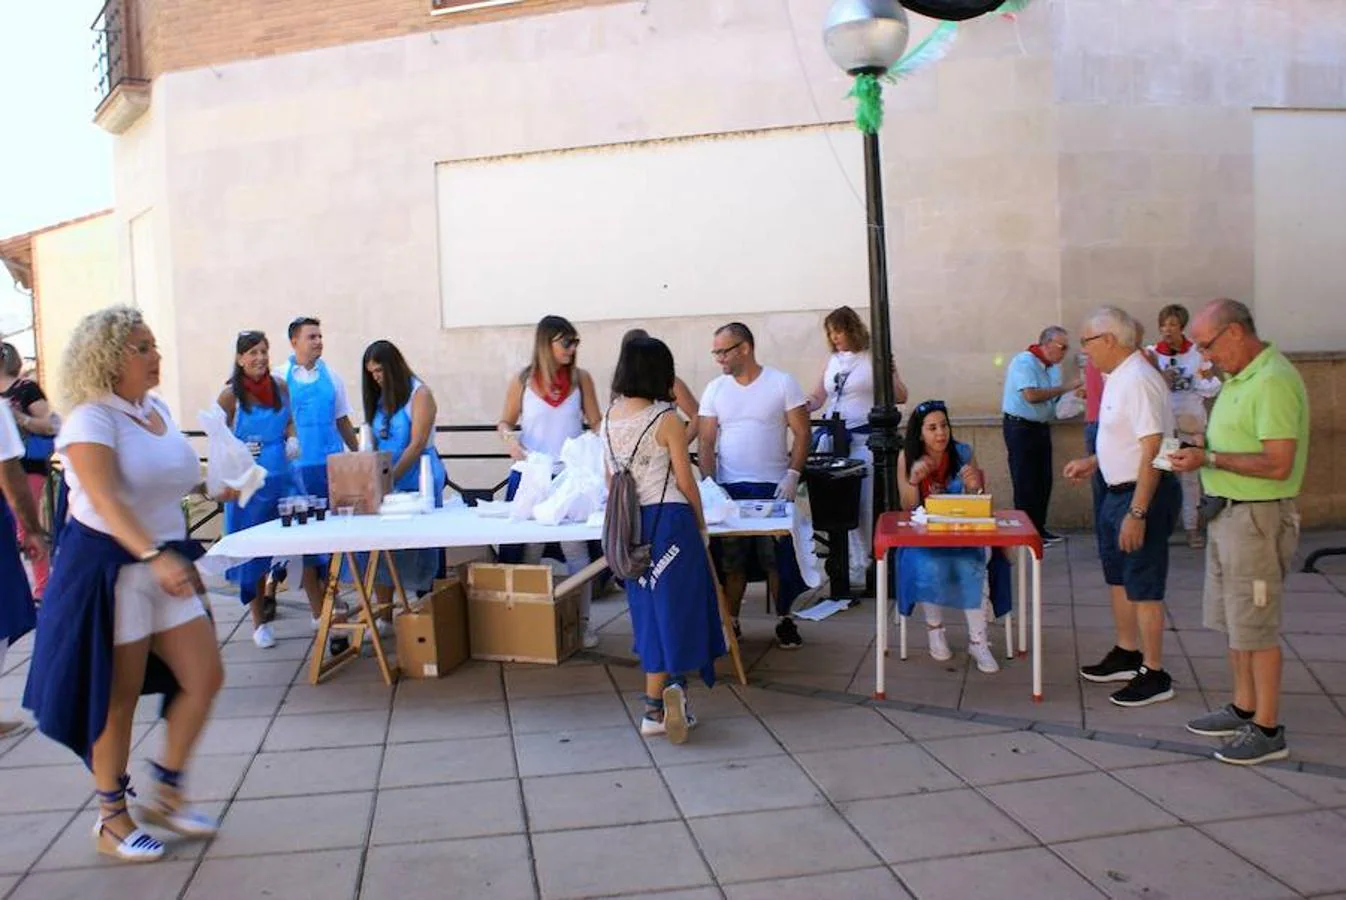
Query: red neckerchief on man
(1036, 350)
(555, 393)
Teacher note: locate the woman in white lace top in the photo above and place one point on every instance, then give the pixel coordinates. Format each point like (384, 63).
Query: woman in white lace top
(674, 611)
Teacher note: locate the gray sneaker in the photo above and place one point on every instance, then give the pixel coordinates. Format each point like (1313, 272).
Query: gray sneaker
(1224, 722)
(1250, 747)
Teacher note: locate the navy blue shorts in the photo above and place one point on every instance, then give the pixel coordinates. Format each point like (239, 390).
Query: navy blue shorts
(1143, 573)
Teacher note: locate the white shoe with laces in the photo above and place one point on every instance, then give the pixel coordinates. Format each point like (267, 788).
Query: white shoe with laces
(938, 644)
(981, 654)
(263, 637)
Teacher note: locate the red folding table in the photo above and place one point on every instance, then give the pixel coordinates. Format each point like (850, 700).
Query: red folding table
(1013, 529)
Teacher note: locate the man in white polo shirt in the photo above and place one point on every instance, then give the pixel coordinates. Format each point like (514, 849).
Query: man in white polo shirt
(1139, 509)
(17, 615)
(754, 440)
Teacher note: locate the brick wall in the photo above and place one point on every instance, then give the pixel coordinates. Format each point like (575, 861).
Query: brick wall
(188, 34)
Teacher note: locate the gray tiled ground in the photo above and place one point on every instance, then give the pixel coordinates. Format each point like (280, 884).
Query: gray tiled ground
(532, 782)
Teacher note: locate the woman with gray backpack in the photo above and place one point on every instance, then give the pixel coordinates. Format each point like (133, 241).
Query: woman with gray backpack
(655, 537)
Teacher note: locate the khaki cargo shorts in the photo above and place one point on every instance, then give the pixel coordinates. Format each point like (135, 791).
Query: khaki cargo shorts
(1248, 553)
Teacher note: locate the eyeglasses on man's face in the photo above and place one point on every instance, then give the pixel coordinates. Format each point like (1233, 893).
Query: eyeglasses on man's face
(1086, 341)
(722, 353)
(1205, 347)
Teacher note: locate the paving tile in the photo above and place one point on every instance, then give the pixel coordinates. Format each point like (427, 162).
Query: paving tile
(747, 846)
(1008, 756)
(1322, 790)
(888, 770)
(564, 752)
(1109, 755)
(44, 788)
(242, 651)
(816, 657)
(220, 737)
(871, 884)
(36, 749)
(624, 797)
(1303, 849)
(325, 730)
(1318, 647)
(300, 772)
(966, 876)
(331, 875)
(260, 674)
(1304, 714)
(447, 811)
(927, 727)
(494, 867)
(765, 702)
(1331, 675)
(922, 826)
(308, 698)
(835, 728)
(735, 737)
(291, 824)
(567, 713)
(752, 785)
(162, 879)
(1173, 862)
(442, 723)
(25, 836)
(446, 762)
(705, 893)
(1077, 806)
(523, 683)
(616, 860)
(1209, 790)
(472, 682)
(248, 702)
(209, 778)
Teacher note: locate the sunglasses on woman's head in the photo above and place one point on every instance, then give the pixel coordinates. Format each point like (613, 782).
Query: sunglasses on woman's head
(930, 406)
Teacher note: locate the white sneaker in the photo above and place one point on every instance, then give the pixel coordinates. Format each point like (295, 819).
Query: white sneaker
(652, 727)
(938, 644)
(982, 655)
(263, 638)
(590, 639)
(384, 627)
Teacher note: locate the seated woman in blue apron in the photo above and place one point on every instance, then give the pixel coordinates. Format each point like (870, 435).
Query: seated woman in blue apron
(551, 400)
(401, 412)
(257, 406)
(18, 614)
(846, 390)
(932, 462)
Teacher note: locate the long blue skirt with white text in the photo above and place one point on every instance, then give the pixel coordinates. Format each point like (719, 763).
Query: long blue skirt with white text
(675, 616)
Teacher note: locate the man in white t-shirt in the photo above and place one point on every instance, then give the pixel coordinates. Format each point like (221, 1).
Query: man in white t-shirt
(16, 599)
(1139, 508)
(754, 440)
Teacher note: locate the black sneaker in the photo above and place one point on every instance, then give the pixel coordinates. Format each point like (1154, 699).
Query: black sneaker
(787, 634)
(1149, 686)
(1051, 540)
(1118, 665)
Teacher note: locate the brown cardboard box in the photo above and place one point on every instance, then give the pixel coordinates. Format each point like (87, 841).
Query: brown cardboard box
(360, 480)
(514, 617)
(432, 638)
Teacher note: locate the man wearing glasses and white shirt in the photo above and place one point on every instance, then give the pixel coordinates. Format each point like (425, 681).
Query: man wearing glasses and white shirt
(748, 415)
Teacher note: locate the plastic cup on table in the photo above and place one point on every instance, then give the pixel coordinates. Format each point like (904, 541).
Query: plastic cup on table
(346, 513)
(319, 506)
(301, 510)
(285, 506)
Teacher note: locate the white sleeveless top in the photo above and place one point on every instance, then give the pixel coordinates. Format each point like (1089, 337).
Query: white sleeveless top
(849, 382)
(651, 463)
(543, 428)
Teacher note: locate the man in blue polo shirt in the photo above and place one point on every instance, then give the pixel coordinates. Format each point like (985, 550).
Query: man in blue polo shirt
(1032, 385)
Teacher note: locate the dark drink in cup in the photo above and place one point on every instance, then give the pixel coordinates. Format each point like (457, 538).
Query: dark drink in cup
(286, 509)
(320, 508)
(301, 510)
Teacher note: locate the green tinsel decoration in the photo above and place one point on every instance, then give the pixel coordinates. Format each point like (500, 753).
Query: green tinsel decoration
(868, 94)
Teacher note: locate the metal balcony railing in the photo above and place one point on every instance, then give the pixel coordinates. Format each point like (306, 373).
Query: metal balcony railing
(116, 48)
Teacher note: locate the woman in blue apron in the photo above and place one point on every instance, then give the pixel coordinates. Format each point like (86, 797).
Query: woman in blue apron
(258, 409)
(932, 462)
(401, 411)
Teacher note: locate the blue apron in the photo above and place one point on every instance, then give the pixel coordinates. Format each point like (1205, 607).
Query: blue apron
(313, 405)
(265, 426)
(17, 613)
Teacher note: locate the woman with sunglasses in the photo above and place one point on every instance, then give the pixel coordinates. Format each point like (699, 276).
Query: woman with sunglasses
(256, 405)
(401, 411)
(551, 400)
(932, 462)
(846, 388)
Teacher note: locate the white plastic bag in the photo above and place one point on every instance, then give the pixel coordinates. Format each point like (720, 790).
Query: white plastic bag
(715, 503)
(581, 488)
(1069, 405)
(534, 485)
(228, 461)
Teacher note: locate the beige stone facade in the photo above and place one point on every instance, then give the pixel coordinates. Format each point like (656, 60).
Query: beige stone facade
(1088, 151)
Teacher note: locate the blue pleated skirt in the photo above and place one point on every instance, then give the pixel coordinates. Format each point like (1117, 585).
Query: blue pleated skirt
(675, 616)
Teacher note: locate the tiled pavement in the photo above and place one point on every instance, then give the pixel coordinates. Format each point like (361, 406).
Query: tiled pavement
(504, 782)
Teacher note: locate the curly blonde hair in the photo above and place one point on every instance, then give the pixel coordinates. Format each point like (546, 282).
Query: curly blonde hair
(94, 357)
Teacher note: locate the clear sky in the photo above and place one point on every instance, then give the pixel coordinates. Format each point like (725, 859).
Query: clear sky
(55, 164)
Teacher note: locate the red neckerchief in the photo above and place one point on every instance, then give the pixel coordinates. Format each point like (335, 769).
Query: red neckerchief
(1163, 349)
(937, 480)
(262, 390)
(555, 394)
(1037, 351)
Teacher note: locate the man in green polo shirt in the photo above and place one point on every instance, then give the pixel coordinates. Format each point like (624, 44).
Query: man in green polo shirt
(1257, 444)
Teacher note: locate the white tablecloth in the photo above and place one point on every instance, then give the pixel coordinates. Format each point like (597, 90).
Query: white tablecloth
(458, 527)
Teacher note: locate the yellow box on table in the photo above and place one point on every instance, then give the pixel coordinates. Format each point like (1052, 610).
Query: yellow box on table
(959, 512)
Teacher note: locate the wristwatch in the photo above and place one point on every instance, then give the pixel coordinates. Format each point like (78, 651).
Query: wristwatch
(150, 554)
(1136, 512)
(1210, 459)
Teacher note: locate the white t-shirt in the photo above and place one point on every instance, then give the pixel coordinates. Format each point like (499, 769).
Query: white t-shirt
(752, 444)
(1189, 389)
(1135, 405)
(156, 471)
(849, 382)
(308, 376)
(11, 442)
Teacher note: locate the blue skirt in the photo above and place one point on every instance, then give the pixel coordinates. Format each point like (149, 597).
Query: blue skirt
(951, 577)
(17, 613)
(675, 615)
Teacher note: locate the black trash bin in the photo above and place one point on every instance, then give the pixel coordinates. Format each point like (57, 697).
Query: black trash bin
(834, 499)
